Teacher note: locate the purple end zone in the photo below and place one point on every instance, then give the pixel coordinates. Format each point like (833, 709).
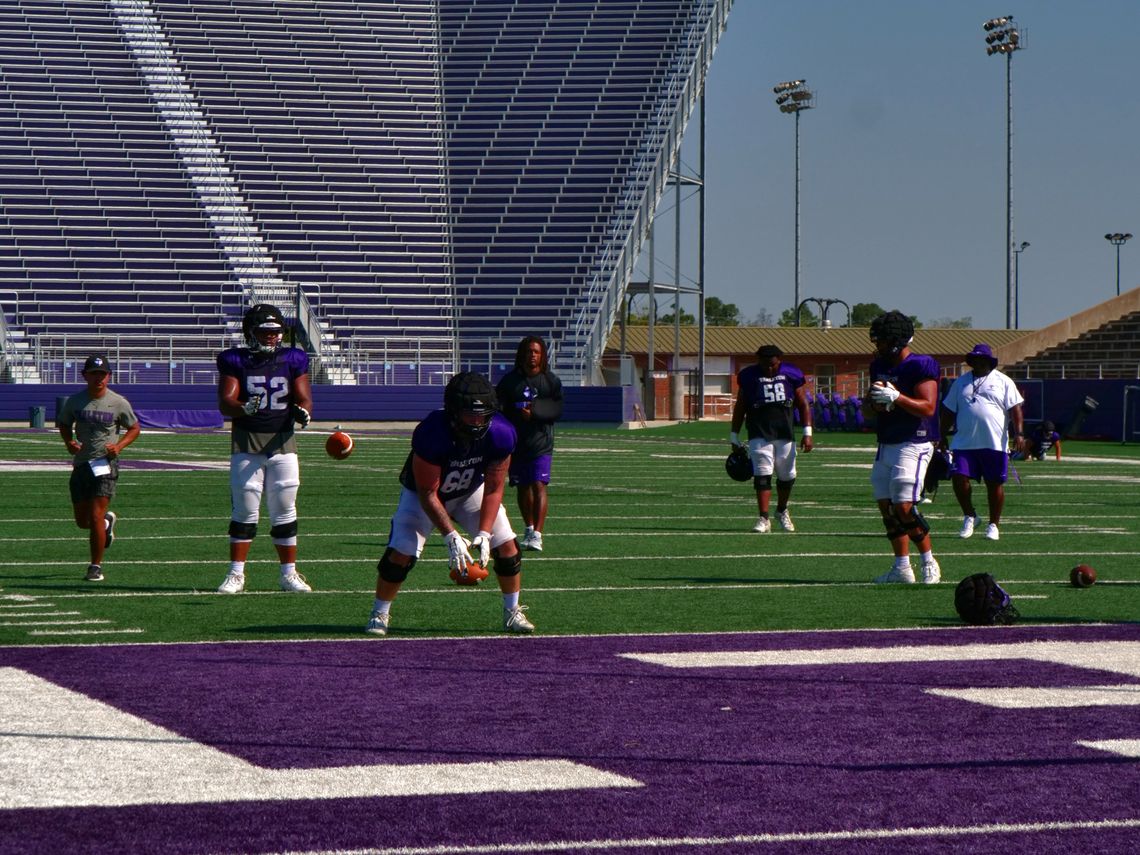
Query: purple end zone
(720, 751)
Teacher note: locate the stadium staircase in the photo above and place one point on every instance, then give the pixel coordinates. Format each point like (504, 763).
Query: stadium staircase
(422, 182)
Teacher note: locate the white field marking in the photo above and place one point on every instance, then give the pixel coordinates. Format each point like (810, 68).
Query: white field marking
(57, 466)
(1123, 695)
(54, 622)
(36, 614)
(1117, 657)
(25, 604)
(40, 632)
(21, 599)
(60, 748)
(912, 833)
(1122, 747)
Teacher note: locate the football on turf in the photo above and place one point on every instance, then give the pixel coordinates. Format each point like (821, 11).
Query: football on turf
(472, 575)
(1082, 576)
(338, 445)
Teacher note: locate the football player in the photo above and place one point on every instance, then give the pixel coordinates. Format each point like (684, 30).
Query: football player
(264, 388)
(768, 391)
(456, 472)
(904, 398)
(531, 398)
(96, 424)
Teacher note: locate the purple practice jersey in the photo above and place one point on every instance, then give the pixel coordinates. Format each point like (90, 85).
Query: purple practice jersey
(770, 401)
(271, 375)
(463, 465)
(898, 425)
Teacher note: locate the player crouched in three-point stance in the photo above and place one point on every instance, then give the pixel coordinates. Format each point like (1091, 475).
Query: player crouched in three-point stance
(456, 473)
(767, 392)
(264, 388)
(904, 398)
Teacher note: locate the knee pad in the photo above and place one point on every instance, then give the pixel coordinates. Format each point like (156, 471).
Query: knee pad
(915, 527)
(894, 529)
(390, 571)
(511, 566)
(762, 483)
(786, 484)
(242, 531)
(284, 530)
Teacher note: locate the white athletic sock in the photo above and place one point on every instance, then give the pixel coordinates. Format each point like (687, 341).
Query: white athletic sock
(382, 606)
(927, 557)
(511, 601)
(902, 562)
(237, 568)
(286, 569)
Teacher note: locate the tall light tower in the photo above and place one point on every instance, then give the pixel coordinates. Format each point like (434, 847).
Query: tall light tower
(793, 96)
(1003, 37)
(1017, 250)
(1118, 240)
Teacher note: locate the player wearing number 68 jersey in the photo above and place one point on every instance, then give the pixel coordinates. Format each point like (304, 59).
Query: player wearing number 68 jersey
(769, 392)
(455, 475)
(264, 388)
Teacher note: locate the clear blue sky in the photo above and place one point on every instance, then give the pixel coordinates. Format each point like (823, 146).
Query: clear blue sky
(902, 194)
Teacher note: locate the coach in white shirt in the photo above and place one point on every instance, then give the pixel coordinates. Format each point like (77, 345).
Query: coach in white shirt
(977, 414)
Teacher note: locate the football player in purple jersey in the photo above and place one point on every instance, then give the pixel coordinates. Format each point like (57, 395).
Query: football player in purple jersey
(904, 398)
(767, 393)
(264, 388)
(456, 472)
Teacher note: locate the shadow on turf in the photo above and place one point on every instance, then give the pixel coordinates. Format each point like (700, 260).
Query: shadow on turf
(357, 630)
(732, 580)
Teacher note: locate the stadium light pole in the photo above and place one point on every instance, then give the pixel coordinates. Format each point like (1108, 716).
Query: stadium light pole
(1017, 250)
(793, 96)
(1003, 38)
(1118, 240)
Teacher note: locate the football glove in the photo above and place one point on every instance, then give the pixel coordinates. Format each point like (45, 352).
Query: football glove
(885, 394)
(458, 556)
(252, 405)
(301, 416)
(482, 542)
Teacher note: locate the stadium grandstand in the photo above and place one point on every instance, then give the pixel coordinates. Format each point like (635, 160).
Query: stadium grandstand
(420, 183)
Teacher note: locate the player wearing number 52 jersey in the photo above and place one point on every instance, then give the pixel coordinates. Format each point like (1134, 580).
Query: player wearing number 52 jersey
(769, 391)
(456, 474)
(264, 388)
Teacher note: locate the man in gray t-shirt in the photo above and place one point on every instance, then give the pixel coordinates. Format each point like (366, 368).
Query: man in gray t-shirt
(96, 425)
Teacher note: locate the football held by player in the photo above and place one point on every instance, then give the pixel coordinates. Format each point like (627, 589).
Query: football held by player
(264, 388)
(904, 400)
(456, 472)
(767, 394)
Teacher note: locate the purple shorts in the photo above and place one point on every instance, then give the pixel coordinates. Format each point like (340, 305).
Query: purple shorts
(524, 472)
(981, 464)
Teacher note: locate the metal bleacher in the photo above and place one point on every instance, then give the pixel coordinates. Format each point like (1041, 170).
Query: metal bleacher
(422, 182)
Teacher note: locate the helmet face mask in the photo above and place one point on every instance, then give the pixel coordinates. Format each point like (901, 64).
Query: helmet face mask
(469, 401)
(263, 326)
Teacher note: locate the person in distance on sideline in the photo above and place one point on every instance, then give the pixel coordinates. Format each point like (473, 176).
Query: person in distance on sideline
(767, 393)
(96, 424)
(531, 398)
(264, 388)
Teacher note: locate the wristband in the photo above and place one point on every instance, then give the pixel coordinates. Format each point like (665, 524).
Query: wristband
(807, 430)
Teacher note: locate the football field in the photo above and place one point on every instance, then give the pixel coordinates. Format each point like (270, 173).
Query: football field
(692, 686)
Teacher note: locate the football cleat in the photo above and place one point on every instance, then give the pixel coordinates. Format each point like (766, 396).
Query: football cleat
(295, 583)
(472, 574)
(931, 572)
(992, 532)
(234, 583)
(515, 621)
(535, 542)
(110, 522)
(763, 525)
(785, 520)
(968, 523)
(378, 623)
(94, 573)
(896, 576)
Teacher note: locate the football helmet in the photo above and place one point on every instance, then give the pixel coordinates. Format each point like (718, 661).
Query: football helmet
(980, 601)
(738, 464)
(894, 329)
(469, 401)
(265, 318)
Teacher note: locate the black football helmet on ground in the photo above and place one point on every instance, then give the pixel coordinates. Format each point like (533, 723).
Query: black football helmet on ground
(981, 601)
(738, 464)
(264, 317)
(470, 393)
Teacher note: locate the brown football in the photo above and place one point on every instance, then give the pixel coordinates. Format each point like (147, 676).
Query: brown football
(338, 445)
(1082, 576)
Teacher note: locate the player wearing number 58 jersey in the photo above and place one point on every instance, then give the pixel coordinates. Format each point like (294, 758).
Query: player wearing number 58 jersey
(455, 475)
(769, 392)
(264, 388)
